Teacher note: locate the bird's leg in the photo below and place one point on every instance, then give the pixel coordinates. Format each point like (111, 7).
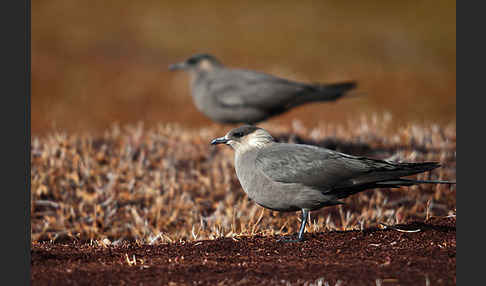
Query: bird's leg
(305, 214)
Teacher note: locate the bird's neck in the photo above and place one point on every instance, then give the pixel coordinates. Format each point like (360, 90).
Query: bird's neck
(251, 146)
(198, 76)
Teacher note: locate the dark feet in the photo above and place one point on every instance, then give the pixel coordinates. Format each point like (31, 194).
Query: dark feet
(300, 237)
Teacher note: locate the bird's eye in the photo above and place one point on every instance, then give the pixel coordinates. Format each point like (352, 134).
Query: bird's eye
(191, 61)
(238, 134)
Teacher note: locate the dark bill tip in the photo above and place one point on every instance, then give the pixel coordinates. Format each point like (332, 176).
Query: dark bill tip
(220, 140)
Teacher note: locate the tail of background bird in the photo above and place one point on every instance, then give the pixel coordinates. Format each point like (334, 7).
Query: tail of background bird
(335, 90)
(324, 92)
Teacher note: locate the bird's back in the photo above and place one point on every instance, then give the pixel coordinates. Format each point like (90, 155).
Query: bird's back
(237, 87)
(329, 170)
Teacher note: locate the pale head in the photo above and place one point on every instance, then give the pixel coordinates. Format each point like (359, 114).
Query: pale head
(197, 62)
(245, 138)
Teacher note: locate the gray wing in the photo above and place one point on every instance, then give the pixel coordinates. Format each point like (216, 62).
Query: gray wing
(235, 87)
(321, 168)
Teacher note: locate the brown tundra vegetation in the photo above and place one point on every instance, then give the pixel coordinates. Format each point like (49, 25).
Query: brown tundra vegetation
(159, 205)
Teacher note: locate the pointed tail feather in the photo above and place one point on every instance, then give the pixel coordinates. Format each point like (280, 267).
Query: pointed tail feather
(407, 169)
(409, 182)
(395, 183)
(432, 182)
(392, 178)
(415, 168)
(338, 87)
(334, 91)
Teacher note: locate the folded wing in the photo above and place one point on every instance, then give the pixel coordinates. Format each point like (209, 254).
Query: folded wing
(329, 170)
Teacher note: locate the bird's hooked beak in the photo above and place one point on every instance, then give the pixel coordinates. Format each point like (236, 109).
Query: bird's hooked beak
(220, 140)
(178, 66)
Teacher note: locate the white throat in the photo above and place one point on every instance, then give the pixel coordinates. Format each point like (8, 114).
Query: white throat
(255, 140)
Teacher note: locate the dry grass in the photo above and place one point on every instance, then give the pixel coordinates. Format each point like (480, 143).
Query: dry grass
(167, 183)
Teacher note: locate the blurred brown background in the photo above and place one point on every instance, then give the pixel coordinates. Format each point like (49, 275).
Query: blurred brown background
(99, 62)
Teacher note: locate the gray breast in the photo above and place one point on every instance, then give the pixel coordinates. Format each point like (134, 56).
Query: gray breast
(275, 195)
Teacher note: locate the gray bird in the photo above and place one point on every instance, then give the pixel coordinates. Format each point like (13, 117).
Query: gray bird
(241, 96)
(291, 177)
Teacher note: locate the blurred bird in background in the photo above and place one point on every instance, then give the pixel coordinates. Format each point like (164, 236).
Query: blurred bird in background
(229, 95)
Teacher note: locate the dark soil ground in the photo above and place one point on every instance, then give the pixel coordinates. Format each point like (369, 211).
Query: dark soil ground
(370, 257)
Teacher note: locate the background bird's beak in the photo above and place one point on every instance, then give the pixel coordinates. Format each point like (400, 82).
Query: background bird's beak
(220, 140)
(178, 66)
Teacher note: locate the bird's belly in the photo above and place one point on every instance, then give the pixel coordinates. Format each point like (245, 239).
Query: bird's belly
(267, 194)
(206, 104)
(209, 106)
(203, 102)
(282, 196)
